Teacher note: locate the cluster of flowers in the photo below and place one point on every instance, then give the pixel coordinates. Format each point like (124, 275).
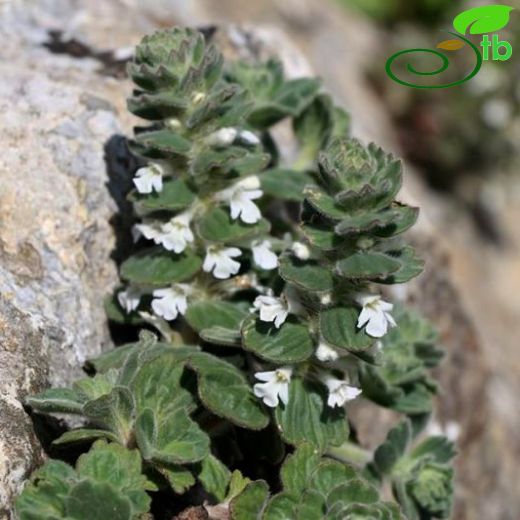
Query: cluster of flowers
(176, 235)
(375, 316)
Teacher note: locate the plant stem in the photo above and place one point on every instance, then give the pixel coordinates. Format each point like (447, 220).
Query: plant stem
(350, 453)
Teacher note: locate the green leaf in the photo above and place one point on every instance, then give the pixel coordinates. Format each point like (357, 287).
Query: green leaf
(291, 343)
(57, 400)
(353, 491)
(157, 266)
(43, 496)
(324, 204)
(312, 129)
(222, 336)
(298, 468)
(308, 275)
(89, 500)
(215, 313)
(307, 418)
(338, 327)
(96, 386)
(321, 236)
(484, 19)
(367, 266)
(439, 448)
(237, 484)
(175, 195)
(176, 439)
(249, 503)
(113, 411)
(411, 266)
(285, 184)
(164, 141)
(388, 222)
(107, 483)
(214, 477)
(179, 478)
(417, 400)
(281, 507)
(328, 474)
(118, 467)
(84, 435)
(311, 505)
(156, 106)
(394, 447)
(113, 358)
(157, 383)
(218, 226)
(224, 390)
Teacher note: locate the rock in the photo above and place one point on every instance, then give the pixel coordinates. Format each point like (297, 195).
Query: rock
(23, 371)
(55, 234)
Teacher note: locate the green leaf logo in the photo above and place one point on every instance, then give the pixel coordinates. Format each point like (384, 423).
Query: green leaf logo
(481, 20)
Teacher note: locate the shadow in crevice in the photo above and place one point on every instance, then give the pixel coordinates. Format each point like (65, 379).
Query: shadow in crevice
(111, 65)
(120, 165)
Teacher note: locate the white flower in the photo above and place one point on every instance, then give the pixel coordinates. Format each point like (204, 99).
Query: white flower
(276, 386)
(176, 234)
(222, 137)
(249, 137)
(326, 299)
(240, 198)
(220, 261)
(169, 303)
(375, 315)
(272, 309)
(339, 391)
(148, 231)
(325, 352)
(451, 430)
(496, 113)
(129, 299)
(149, 178)
(263, 255)
(301, 251)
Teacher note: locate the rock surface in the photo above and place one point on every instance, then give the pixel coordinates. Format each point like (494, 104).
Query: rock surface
(61, 104)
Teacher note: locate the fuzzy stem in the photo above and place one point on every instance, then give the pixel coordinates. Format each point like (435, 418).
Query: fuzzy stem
(350, 453)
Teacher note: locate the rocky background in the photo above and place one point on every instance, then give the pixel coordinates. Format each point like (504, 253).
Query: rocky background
(62, 112)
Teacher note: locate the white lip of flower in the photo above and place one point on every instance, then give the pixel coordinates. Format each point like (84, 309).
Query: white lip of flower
(325, 352)
(451, 430)
(263, 255)
(276, 386)
(176, 234)
(148, 231)
(375, 315)
(240, 198)
(272, 309)
(170, 302)
(249, 137)
(326, 299)
(222, 137)
(129, 299)
(220, 261)
(339, 391)
(149, 178)
(301, 251)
